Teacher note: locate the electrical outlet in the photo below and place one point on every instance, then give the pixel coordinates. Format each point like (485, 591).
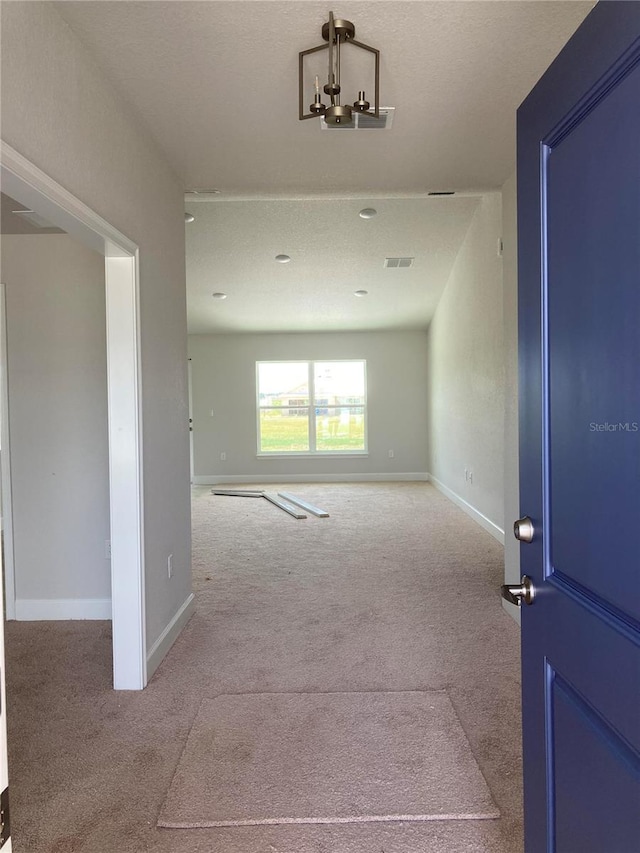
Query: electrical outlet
(170, 565)
(391, 454)
(223, 456)
(107, 549)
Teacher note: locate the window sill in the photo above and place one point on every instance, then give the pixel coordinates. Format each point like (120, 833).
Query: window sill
(305, 455)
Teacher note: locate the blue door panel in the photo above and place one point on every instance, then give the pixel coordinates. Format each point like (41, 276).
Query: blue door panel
(579, 364)
(590, 763)
(607, 673)
(593, 227)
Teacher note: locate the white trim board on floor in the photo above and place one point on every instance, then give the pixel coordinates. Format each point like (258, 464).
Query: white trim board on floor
(54, 609)
(170, 634)
(215, 479)
(475, 514)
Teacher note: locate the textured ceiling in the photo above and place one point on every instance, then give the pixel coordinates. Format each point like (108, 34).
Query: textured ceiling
(215, 83)
(231, 248)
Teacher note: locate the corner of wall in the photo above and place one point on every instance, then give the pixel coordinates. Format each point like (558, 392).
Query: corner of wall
(167, 638)
(466, 375)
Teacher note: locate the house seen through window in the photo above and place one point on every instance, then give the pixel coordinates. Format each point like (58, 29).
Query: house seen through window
(311, 406)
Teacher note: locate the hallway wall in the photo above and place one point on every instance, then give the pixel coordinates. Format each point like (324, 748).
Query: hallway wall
(57, 382)
(59, 111)
(465, 362)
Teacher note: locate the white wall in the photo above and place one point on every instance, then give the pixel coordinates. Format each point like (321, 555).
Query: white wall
(57, 363)
(224, 380)
(60, 113)
(466, 375)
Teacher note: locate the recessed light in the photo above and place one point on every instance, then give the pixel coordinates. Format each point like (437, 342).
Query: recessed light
(189, 217)
(367, 213)
(204, 192)
(283, 259)
(219, 295)
(360, 292)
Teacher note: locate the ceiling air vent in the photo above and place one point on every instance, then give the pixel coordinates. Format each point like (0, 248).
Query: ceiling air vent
(362, 121)
(33, 218)
(398, 263)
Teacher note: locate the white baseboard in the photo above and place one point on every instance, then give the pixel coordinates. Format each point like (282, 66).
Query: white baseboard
(217, 479)
(170, 634)
(476, 515)
(54, 609)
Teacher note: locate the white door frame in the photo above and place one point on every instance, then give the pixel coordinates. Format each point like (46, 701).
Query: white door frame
(190, 389)
(23, 181)
(5, 468)
(4, 752)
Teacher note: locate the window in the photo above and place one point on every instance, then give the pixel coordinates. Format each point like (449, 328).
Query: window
(311, 407)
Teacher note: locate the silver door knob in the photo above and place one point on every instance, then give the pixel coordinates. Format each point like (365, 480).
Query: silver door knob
(517, 593)
(523, 529)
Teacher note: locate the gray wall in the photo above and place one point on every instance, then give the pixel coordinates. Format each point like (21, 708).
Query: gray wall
(223, 381)
(466, 375)
(57, 380)
(61, 114)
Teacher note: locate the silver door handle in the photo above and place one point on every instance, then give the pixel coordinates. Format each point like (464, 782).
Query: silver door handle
(516, 593)
(523, 529)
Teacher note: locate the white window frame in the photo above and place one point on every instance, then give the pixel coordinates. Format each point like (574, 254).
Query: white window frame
(312, 451)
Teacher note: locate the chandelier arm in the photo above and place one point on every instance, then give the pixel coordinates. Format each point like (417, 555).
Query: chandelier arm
(331, 77)
(301, 113)
(338, 67)
(376, 53)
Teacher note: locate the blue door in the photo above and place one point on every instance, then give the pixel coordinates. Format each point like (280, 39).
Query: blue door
(579, 328)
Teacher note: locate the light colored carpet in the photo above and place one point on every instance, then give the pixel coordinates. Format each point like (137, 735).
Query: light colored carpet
(270, 758)
(397, 590)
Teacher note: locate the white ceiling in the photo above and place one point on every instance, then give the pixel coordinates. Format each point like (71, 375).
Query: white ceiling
(232, 245)
(215, 83)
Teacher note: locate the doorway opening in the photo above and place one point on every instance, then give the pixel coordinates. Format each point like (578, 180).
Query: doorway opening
(31, 187)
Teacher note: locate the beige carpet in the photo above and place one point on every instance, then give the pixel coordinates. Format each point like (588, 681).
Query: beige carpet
(396, 591)
(283, 758)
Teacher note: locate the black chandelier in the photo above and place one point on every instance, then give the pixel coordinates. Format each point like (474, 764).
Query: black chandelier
(337, 32)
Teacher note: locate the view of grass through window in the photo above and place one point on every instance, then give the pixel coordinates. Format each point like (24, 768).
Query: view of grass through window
(311, 406)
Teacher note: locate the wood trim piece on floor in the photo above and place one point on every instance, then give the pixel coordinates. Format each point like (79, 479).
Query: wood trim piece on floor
(215, 479)
(475, 514)
(55, 609)
(170, 634)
